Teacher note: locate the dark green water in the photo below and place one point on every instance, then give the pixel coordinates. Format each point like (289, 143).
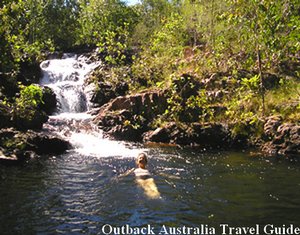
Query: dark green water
(78, 194)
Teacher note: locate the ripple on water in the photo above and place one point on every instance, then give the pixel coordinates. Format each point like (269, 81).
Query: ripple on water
(77, 194)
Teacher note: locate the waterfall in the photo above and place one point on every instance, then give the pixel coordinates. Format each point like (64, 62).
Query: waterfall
(66, 77)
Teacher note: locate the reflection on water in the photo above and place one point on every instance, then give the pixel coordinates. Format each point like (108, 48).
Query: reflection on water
(77, 194)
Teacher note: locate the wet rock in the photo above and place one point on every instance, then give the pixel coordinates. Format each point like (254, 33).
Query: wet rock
(102, 94)
(211, 134)
(284, 140)
(206, 135)
(21, 146)
(22, 121)
(53, 55)
(42, 143)
(160, 135)
(127, 132)
(49, 100)
(7, 159)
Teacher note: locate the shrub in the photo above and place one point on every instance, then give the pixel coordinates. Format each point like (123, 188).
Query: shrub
(26, 112)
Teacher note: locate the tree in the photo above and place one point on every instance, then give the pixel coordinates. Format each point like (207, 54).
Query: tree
(152, 15)
(100, 16)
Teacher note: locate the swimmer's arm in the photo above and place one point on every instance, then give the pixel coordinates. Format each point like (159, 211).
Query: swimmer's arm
(169, 176)
(126, 173)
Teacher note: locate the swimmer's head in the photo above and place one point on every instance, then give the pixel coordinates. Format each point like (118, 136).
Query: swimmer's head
(142, 160)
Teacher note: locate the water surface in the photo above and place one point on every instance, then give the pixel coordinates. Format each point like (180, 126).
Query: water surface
(77, 194)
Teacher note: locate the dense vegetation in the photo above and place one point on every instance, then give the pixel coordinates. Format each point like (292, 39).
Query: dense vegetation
(246, 50)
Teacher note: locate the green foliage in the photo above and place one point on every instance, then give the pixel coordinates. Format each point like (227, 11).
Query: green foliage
(114, 45)
(251, 84)
(266, 26)
(285, 100)
(99, 17)
(186, 102)
(151, 16)
(30, 27)
(169, 40)
(166, 37)
(147, 71)
(27, 104)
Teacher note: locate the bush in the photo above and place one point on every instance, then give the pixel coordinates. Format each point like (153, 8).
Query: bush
(26, 113)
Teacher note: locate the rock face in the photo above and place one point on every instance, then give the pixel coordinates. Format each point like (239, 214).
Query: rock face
(5, 116)
(16, 146)
(36, 122)
(103, 92)
(127, 117)
(208, 135)
(30, 72)
(282, 138)
(49, 100)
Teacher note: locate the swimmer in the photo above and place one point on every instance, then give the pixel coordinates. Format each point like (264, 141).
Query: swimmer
(144, 178)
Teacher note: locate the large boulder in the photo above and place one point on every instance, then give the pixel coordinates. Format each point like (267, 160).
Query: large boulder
(30, 72)
(17, 146)
(43, 143)
(24, 121)
(49, 104)
(281, 138)
(207, 135)
(127, 117)
(103, 92)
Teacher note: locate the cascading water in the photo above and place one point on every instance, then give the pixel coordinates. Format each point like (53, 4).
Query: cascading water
(66, 77)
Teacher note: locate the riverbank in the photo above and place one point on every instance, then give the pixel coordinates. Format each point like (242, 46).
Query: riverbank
(223, 110)
(130, 118)
(218, 111)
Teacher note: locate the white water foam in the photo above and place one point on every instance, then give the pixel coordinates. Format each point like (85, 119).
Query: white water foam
(67, 77)
(93, 144)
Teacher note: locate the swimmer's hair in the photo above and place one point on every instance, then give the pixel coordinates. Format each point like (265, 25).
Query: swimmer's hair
(142, 156)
